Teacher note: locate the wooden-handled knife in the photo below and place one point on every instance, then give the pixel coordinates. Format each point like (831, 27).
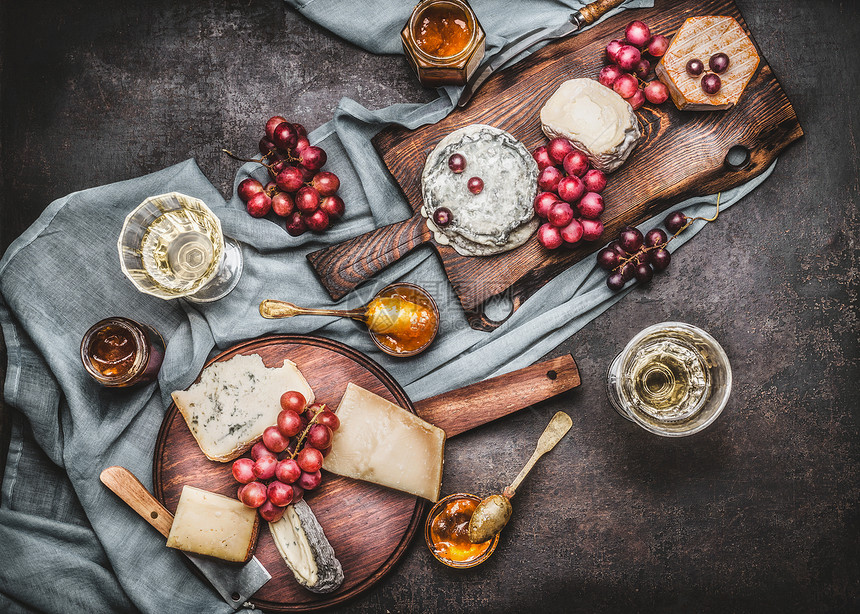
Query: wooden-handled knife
(577, 20)
(233, 582)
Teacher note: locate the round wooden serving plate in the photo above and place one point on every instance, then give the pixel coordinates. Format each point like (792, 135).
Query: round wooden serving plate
(368, 526)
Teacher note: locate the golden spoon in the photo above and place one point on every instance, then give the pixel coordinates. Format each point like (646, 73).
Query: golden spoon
(390, 315)
(493, 513)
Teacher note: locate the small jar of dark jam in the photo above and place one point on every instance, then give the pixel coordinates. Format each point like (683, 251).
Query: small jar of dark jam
(119, 352)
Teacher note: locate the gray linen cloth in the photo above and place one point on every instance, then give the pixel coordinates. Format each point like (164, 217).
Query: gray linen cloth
(69, 545)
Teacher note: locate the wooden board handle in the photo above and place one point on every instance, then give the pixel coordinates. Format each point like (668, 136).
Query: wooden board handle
(466, 408)
(594, 11)
(343, 266)
(128, 488)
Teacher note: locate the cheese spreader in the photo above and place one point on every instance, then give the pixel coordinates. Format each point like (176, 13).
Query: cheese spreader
(233, 582)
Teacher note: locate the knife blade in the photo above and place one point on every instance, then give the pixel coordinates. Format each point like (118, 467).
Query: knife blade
(578, 19)
(234, 584)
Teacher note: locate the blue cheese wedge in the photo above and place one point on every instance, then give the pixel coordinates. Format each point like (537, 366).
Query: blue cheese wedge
(213, 525)
(234, 401)
(501, 216)
(305, 549)
(379, 442)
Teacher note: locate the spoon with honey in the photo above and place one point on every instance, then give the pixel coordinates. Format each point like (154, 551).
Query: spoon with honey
(399, 326)
(493, 513)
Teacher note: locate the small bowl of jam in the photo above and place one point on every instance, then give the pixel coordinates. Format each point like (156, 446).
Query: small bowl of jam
(119, 352)
(443, 42)
(406, 320)
(447, 532)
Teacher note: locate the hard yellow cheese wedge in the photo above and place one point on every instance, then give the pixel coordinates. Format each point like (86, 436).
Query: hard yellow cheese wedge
(382, 443)
(214, 525)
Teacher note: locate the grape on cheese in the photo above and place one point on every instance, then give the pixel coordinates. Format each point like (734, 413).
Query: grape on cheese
(214, 525)
(700, 38)
(234, 401)
(382, 443)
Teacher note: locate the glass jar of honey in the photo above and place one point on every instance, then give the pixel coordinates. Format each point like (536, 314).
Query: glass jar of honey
(443, 42)
(447, 532)
(119, 352)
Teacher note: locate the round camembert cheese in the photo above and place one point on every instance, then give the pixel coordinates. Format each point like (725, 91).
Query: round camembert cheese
(501, 216)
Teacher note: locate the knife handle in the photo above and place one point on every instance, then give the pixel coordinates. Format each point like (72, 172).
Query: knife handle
(466, 408)
(594, 11)
(128, 488)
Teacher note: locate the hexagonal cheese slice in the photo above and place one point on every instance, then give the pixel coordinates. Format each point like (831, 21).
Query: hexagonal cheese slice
(700, 38)
(379, 442)
(214, 525)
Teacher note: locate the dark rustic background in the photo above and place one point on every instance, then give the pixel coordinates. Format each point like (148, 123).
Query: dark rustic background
(758, 513)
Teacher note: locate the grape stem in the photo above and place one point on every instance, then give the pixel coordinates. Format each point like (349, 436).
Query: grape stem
(240, 159)
(663, 245)
(304, 434)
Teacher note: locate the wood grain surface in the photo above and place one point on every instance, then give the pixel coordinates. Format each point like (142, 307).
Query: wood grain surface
(368, 526)
(682, 154)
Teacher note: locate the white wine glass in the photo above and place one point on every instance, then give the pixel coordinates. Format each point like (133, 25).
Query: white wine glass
(172, 246)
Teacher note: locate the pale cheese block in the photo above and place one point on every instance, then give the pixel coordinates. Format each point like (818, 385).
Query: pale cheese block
(700, 38)
(234, 401)
(213, 525)
(385, 444)
(595, 119)
(302, 544)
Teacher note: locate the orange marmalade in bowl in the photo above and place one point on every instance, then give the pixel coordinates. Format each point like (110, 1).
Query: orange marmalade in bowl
(403, 319)
(447, 532)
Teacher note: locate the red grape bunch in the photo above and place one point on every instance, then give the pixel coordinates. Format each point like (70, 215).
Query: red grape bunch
(633, 255)
(629, 69)
(288, 460)
(570, 197)
(711, 82)
(299, 191)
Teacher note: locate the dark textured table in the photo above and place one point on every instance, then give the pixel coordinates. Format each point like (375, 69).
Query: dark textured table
(758, 513)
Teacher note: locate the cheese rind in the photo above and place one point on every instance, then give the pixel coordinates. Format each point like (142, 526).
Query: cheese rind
(234, 401)
(213, 525)
(382, 443)
(595, 119)
(700, 38)
(305, 549)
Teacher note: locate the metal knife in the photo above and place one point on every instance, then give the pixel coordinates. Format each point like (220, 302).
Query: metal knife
(578, 19)
(235, 584)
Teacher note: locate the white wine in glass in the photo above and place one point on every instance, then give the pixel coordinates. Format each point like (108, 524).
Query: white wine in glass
(172, 246)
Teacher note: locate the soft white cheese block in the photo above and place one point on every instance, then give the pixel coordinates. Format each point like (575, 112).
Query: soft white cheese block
(595, 119)
(382, 443)
(234, 401)
(214, 525)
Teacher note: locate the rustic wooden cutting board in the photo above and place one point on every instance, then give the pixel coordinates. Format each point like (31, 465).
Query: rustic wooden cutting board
(683, 154)
(368, 526)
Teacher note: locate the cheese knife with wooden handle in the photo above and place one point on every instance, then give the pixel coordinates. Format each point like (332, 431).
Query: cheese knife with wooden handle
(233, 582)
(577, 20)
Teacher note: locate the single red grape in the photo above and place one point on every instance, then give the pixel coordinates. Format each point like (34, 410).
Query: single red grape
(289, 423)
(318, 221)
(296, 224)
(442, 217)
(643, 273)
(307, 200)
(273, 123)
(655, 236)
(675, 222)
(695, 67)
(711, 84)
(628, 57)
(631, 239)
(608, 74)
(607, 259)
(333, 206)
(457, 163)
(719, 63)
(615, 281)
(247, 188)
(328, 418)
(658, 46)
(660, 259)
(259, 204)
(326, 183)
(284, 135)
(282, 204)
(475, 185)
(637, 33)
(290, 179)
